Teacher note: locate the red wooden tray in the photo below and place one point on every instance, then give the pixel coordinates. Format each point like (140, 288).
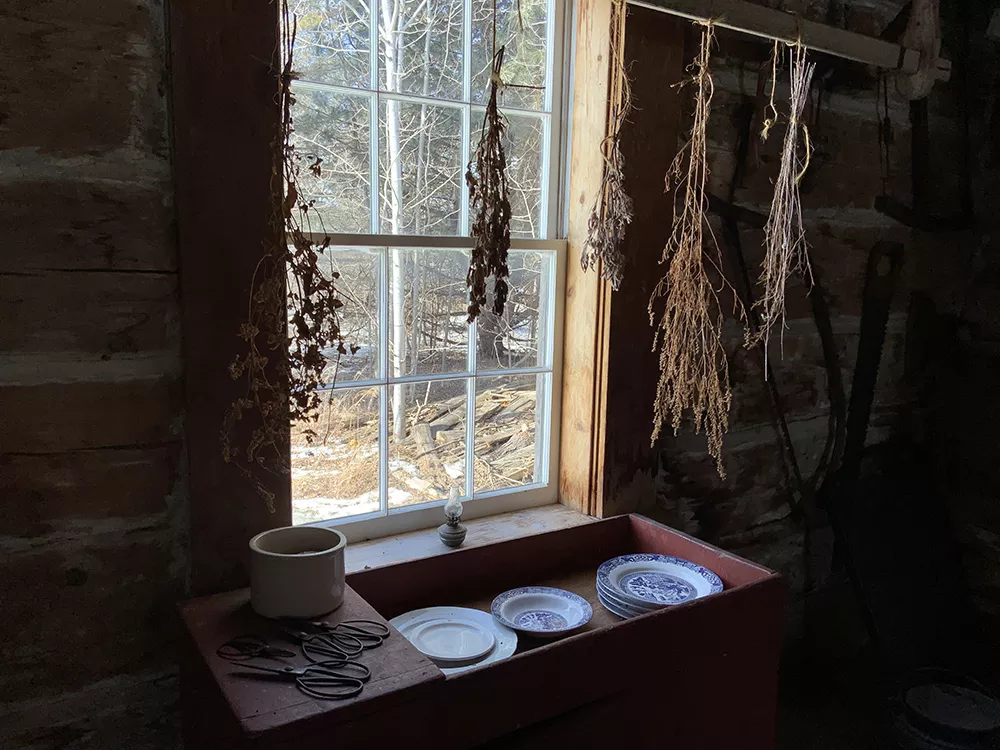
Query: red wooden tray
(700, 675)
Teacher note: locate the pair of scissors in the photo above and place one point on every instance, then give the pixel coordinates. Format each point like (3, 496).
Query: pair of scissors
(368, 633)
(333, 679)
(244, 647)
(322, 646)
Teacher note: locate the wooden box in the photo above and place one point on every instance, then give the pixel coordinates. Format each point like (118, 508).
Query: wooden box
(699, 675)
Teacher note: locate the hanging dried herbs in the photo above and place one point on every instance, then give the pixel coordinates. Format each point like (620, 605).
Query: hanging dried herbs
(786, 249)
(292, 318)
(490, 205)
(612, 211)
(694, 371)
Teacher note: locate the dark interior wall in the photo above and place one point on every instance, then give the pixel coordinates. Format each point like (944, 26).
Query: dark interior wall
(937, 380)
(92, 480)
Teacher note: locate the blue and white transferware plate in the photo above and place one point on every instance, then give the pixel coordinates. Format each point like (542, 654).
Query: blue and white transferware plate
(615, 608)
(541, 611)
(646, 579)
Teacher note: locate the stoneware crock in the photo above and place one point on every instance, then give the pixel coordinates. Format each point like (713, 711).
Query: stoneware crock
(297, 571)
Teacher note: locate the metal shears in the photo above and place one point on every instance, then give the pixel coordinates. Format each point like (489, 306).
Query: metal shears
(333, 679)
(341, 641)
(245, 647)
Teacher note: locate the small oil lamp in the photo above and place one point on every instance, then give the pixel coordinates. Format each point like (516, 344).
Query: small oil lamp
(452, 532)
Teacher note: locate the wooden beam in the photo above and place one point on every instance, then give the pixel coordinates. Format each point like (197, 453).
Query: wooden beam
(225, 118)
(609, 368)
(587, 296)
(776, 24)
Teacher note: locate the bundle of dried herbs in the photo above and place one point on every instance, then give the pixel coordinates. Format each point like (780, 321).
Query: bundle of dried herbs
(786, 249)
(490, 205)
(292, 317)
(694, 370)
(612, 211)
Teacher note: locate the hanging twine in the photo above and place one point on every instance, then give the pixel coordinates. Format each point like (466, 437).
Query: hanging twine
(786, 249)
(613, 208)
(694, 371)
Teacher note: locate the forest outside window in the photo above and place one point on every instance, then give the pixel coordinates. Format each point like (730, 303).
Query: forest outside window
(390, 97)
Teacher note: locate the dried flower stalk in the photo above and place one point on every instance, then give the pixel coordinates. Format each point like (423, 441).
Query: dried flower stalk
(612, 211)
(786, 249)
(694, 371)
(490, 205)
(292, 317)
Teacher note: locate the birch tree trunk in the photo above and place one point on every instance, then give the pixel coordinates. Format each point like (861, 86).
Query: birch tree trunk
(391, 43)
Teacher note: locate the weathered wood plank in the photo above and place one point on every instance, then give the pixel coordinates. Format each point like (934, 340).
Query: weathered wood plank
(584, 339)
(79, 416)
(42, 491)
(102, 312)
(63, 225)
(654, 44)
(221, 66)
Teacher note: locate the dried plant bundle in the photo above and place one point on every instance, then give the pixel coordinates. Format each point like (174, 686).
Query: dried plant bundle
(694, 371)
(786, 249)
(490, 205)
(292, 321)
(612, 211)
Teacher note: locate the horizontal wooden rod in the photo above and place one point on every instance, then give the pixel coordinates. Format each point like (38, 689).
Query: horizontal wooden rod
(776, 24)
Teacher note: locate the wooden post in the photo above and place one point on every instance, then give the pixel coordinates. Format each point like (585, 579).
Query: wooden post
(225, 119)
(587, 296)
(609, 368)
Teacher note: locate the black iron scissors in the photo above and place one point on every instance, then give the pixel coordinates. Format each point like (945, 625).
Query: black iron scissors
(369, 633)
(245, 647)
(343, 640)
(333, 679)
(322, 646)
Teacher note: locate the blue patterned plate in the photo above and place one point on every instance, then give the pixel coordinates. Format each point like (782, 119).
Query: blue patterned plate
(645, 580)
(541, 611)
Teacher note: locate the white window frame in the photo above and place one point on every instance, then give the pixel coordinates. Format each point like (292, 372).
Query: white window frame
(388, 521)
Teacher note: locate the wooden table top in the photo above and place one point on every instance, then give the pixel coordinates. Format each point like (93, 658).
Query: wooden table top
(398, 669)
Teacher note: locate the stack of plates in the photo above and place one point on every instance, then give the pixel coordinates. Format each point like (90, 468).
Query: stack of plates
(633, 585)
(456, 638)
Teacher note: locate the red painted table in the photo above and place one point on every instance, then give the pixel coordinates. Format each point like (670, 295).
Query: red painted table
(699, 675)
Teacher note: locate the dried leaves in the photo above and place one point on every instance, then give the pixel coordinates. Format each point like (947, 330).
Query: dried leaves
(490, 206)
(786, 249)
(292, 320)
(612, 211)
(694, 371)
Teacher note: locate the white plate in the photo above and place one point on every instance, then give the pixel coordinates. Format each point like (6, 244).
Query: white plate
(645, 579)
(506, 639)
(541, 611)
(450, 640)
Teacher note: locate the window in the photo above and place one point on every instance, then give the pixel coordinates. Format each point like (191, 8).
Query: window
(390, 98)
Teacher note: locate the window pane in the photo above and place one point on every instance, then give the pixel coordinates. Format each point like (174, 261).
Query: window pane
(523, 146)
(506, 431)
(428, 304)
(359, 286)
(525, 56)
(332, 42)
(420, 168)
(420, 47)
(518, 337)
(426, 441)
(337, 475)
(333, 128)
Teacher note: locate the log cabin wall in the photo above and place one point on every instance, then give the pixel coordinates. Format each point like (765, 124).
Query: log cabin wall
(93, 526)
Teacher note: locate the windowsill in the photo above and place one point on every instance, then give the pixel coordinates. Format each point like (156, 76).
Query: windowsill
(482, 531)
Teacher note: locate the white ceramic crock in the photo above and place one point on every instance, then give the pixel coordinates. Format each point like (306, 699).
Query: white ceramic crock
(297, 571)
